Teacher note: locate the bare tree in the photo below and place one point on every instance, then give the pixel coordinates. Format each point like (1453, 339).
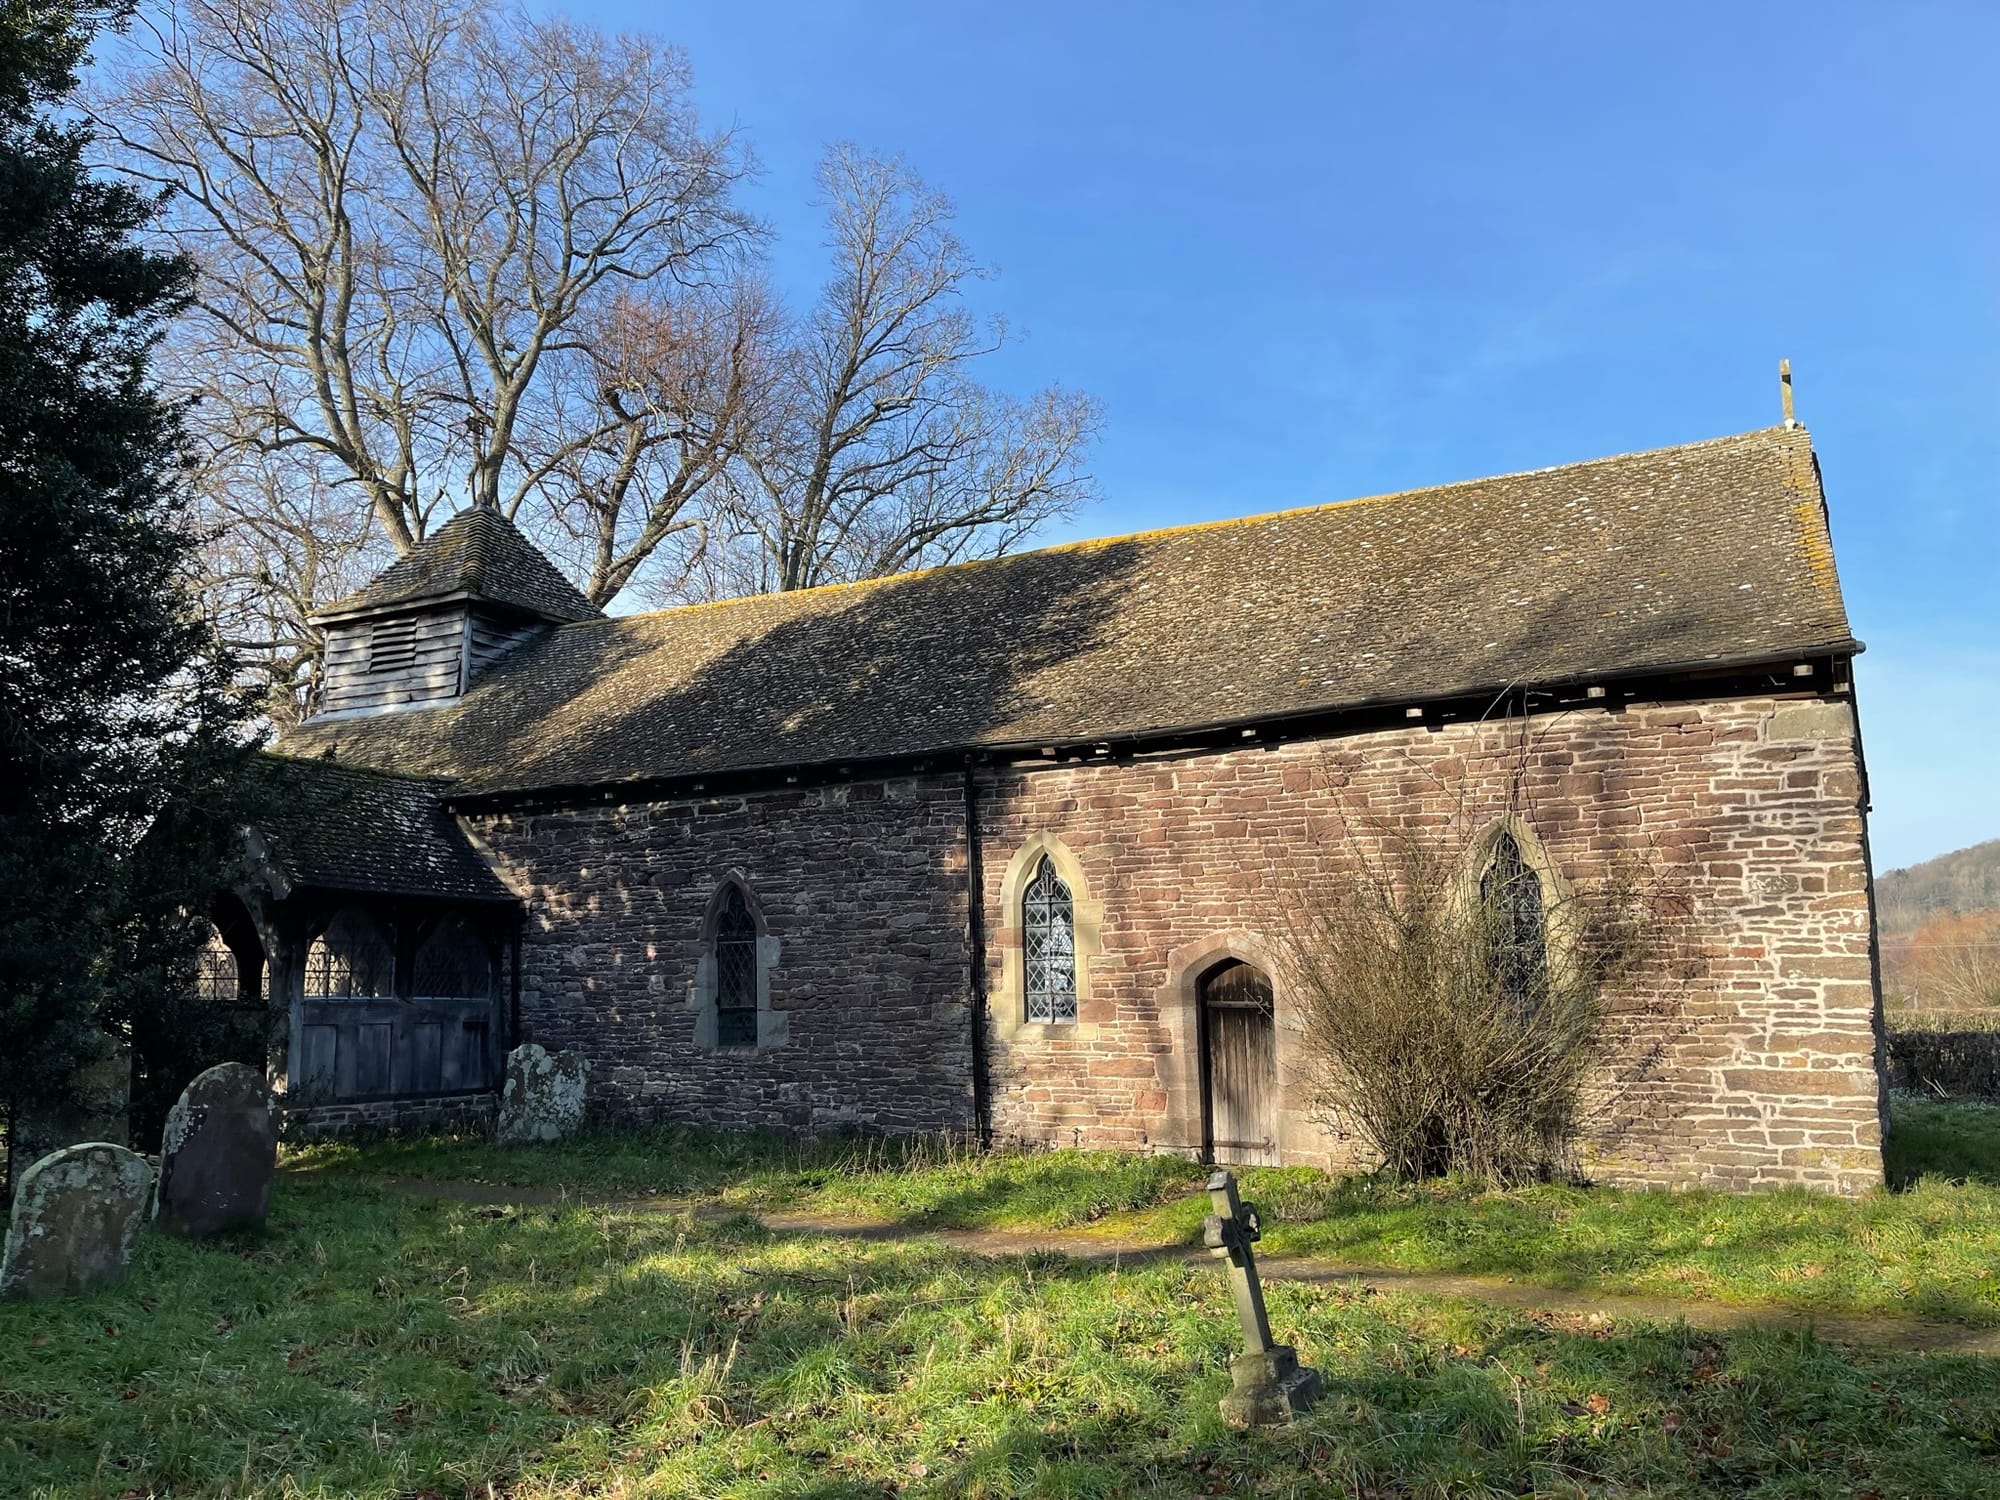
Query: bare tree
(648, 428)
(454, 253)
(279, 541)
(413, 221)
(1454, 999)
(875, 450)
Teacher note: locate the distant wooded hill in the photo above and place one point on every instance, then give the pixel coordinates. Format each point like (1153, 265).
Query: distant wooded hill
(1966, 880)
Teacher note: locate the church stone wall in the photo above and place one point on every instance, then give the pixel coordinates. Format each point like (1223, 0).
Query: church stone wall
(860, 891)
(1747, 1059)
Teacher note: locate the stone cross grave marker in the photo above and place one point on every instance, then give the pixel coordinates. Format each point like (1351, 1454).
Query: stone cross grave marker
(1268, 1384)
(77, 1214)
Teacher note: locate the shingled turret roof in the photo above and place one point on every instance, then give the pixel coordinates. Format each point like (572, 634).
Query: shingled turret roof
(1710, 555)
(478, 554)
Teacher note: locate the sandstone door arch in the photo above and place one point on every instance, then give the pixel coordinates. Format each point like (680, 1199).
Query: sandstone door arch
(1239, 1065)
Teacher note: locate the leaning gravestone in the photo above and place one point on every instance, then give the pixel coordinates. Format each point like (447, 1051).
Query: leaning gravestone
(543, 1097)
(1268, 1385)
(76, 1215)
(218, 1153)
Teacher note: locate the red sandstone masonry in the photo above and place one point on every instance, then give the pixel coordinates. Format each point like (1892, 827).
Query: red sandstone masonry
(863, 885)
(1747, 1060)
(1753, 1064)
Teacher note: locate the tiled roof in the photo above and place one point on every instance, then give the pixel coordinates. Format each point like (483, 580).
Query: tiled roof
(1709, 554)
(477, 554)
(341, 828)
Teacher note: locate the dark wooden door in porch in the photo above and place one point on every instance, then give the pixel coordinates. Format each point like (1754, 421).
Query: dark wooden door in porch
(1239, 1064)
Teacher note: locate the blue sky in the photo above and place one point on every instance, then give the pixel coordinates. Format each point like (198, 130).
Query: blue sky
(1307, 252)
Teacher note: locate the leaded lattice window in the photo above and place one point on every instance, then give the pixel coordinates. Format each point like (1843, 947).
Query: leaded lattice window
(216, 977)
(1510, 894)
(1048, 926)
(351, 960)
(735, 972)
(453, 964)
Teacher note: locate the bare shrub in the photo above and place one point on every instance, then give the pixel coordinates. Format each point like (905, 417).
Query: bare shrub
(1455, 995)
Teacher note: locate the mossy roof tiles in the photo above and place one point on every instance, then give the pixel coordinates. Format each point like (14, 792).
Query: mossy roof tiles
(1706, 554)
(336, 827)
(478, 554)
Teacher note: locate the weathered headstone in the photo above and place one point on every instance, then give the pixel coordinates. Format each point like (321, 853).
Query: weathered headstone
(1268, 1384)
(542, 1099)
(218, 1153)
(76, 1216)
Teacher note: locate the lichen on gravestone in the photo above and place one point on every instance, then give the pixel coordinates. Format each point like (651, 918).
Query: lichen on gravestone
(76, 1218)
(218, 1153)
(543, 1097)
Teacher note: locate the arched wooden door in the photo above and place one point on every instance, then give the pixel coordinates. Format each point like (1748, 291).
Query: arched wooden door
(1239, 1066)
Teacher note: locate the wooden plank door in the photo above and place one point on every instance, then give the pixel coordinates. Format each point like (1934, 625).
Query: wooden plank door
(1239, 1066)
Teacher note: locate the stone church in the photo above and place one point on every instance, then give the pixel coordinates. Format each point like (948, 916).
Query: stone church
(1006, 847)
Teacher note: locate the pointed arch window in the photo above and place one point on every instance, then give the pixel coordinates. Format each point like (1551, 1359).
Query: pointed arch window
(1516, 926)
(735, 971)
(352, 960)
(453, 964)
(1048, 926)
(217, 978)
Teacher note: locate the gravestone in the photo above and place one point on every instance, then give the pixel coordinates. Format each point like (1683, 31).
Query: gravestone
(543, 1096)
(1268, 1385)
(76, 1215)
(218, 1153)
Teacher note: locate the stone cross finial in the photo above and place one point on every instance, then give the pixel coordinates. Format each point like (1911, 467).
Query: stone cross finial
(1269, 1385)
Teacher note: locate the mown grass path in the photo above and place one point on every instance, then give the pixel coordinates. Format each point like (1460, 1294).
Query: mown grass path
(1106, 1245)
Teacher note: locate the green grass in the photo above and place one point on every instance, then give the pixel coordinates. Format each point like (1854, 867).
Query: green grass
(922, 1181)
(372, 1343)
(1930, 1249)
(1941, 1140)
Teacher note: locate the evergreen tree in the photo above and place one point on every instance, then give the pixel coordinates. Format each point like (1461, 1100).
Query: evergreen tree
(114, 698)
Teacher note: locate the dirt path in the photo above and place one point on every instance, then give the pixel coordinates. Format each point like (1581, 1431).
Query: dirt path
(1849, 1328)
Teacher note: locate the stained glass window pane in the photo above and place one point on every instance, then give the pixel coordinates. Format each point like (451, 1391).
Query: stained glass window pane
(735, 973)
(1516, 931)
(1048, 926)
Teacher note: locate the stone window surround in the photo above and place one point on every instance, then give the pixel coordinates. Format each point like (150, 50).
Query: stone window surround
(773, 1026)
(1558, 909)
(1010, 1013)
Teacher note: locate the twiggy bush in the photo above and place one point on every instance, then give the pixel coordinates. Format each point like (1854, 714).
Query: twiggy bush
(1454, 998)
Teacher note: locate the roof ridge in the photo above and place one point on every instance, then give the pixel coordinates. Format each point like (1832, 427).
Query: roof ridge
(479, 553)
(1221, 523)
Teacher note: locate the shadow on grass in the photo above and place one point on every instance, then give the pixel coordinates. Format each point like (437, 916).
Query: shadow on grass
(375, 1344)
(1941, 1140)
(1924, 1252)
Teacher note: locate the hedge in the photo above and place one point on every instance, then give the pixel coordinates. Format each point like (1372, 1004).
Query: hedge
(1954, 1064)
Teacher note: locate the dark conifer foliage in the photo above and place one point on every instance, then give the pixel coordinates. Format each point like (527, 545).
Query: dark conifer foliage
(114, 702)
